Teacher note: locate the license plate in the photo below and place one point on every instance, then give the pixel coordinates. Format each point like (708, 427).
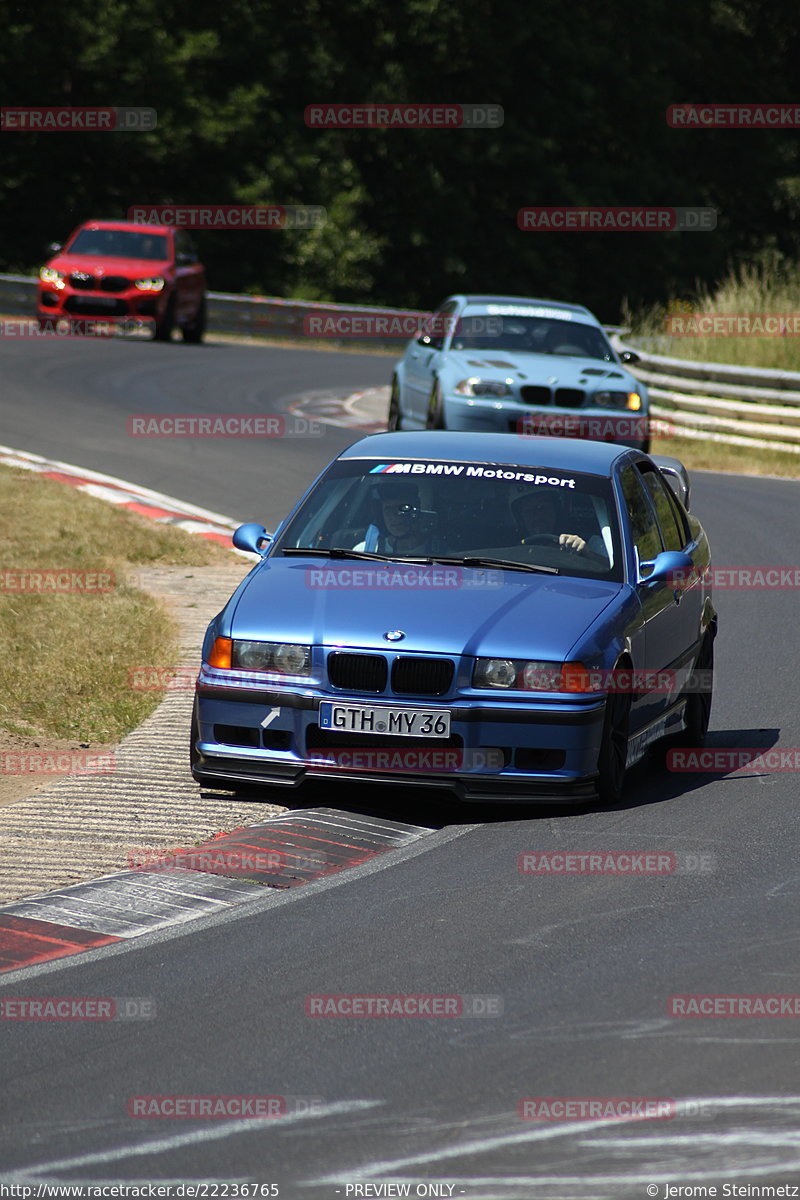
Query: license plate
(103, 302)
(368, 719)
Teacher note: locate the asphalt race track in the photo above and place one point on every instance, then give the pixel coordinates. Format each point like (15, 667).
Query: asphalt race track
(579, 967)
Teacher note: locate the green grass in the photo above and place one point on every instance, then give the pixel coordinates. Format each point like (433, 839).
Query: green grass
(700, 455)
(770, 286)
(65, 658)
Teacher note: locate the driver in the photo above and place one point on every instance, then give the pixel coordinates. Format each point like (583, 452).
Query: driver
(401, 530)
(538, 514)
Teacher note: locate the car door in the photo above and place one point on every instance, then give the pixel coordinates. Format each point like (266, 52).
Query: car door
(421, 362)
(671, 613)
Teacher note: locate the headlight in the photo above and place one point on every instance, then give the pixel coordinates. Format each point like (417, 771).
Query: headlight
(630, 401)
(482, 387)
(54, 278)
(282, 658)
(536, 676)
(150, 285)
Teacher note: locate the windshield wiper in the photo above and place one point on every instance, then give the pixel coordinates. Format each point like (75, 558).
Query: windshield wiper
(424, 560)
(503, 563)
(339, 552)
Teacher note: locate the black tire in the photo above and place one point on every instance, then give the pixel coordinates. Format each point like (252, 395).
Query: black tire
(163, 328)
(393, 418)
(435, 418)
(613, 748)
(194, 333)
(698, 703)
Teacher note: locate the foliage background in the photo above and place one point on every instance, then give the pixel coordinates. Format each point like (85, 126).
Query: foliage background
(413, 215)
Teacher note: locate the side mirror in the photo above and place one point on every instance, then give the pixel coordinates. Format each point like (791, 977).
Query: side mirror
(253, 538)
(54, 248)
(184, 259)
(629, 356)
(672, 567)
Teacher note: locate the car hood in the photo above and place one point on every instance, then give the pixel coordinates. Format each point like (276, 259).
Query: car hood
(440, 610)
(95, 264)
(587, 373)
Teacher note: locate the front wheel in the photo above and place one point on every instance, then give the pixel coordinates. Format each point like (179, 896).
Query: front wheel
(435, 418)
(613, 756)
(193, 334)
(164, 324)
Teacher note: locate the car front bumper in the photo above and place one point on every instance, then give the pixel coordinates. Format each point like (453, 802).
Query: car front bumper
(498, 749)
(468, 414)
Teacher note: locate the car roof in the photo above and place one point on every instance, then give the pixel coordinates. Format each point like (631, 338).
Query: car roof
(124, 226)
(472, 298)
(560, 454)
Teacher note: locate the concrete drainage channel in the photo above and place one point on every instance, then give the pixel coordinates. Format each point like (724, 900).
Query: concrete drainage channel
(65, 848)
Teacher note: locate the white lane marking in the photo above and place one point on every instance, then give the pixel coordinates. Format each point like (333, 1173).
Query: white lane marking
(164, 1144)
(487, 1144)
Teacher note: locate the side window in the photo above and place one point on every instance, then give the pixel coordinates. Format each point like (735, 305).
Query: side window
(644, 527)
(674, 534)
(440, 327)
(185, 246)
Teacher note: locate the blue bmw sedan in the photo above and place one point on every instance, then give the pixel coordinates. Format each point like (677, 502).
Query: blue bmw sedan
(513, 618)
(511, 364)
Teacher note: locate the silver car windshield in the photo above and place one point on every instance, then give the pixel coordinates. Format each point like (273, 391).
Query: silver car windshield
(478, 329)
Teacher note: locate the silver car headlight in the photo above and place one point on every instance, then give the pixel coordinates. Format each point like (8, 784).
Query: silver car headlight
(626, 401)
(283, 658)
(527, 676)
(482, 387)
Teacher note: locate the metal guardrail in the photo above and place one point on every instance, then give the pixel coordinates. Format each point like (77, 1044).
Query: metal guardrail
(266, 316)
(722, 402)
(718, 402)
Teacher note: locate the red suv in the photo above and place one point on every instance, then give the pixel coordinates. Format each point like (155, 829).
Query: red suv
(119, 270)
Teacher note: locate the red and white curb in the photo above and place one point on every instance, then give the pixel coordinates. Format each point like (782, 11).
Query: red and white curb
(285, 852)
(154, 505)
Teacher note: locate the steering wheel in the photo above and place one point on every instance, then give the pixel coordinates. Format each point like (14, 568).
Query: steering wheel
(542, 539)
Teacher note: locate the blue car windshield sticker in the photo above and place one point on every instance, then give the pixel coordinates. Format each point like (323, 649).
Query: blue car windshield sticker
(474, 471)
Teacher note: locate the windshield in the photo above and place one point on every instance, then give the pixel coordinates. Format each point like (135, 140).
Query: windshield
(521, 514)
(518, 331)
(120, 243)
